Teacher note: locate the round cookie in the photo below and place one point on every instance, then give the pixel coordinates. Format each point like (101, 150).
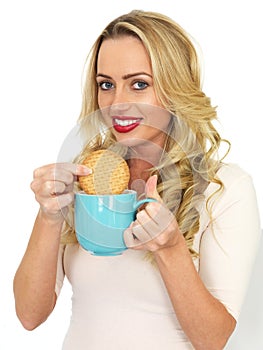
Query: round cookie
(110, 173)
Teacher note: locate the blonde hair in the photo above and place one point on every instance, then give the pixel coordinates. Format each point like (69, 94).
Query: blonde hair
(189, 161)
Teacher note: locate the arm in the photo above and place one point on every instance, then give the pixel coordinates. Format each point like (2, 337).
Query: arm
(34, 281)
(199, 309)
(203, 318)
(205, 321)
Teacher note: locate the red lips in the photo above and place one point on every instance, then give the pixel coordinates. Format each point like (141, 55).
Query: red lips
(125, 124)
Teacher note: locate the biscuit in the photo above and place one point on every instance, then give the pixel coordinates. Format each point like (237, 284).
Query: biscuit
(110, 173)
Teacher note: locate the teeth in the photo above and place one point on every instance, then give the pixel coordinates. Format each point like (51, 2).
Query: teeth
(126, 122)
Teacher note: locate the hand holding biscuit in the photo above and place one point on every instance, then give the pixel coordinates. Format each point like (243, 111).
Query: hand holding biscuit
(53, 187)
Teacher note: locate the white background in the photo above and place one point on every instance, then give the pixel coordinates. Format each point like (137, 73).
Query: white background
(43, 49)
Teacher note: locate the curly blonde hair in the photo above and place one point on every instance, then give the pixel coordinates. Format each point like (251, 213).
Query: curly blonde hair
(189, 162)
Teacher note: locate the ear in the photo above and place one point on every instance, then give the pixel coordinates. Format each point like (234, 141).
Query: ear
(151, 188)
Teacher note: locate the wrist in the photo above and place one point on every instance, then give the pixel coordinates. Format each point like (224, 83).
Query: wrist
(51, 220)
(177, 249)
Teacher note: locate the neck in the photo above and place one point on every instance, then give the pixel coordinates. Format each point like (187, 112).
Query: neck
(140, 163)
(145, 156)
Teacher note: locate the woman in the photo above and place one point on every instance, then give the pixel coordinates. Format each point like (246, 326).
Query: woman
(143, 98)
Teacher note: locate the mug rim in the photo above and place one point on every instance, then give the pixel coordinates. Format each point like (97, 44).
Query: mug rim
(125, 192)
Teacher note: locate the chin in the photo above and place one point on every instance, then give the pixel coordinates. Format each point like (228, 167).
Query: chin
(129, 142)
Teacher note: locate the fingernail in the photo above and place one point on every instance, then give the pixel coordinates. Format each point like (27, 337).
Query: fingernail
(84, 170)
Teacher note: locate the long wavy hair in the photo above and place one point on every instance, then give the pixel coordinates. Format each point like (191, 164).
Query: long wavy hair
(190, 156)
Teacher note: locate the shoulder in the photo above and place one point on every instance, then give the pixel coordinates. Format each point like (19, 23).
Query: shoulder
(238, 191)
(231, 173)
(233, 177)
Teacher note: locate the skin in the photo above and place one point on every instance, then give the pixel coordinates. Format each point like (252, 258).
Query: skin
(122, 92)
(126, 90)
(35, 278)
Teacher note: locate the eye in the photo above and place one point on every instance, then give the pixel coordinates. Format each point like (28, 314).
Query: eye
(140, 85)
(105, 85)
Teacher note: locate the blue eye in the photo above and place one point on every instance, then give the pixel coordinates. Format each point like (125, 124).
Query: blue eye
(105, 85)
(140, 85)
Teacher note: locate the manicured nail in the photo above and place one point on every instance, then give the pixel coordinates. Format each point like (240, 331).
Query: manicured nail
(84, 170)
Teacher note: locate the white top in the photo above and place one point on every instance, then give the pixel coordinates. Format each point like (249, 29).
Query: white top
(121, 302)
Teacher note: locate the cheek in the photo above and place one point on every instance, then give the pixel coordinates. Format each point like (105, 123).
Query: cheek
(104, 100)
(166, 121)
(105, 114)
(160, 120)
(100, 101)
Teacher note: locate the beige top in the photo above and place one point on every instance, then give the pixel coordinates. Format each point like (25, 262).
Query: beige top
(121, 302)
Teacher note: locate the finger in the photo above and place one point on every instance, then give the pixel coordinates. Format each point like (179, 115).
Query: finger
(75, 169)
(151, 188)
(150, 226)
(58, 174)
(54, 204)
(153, 221)
(160, 214)
(130, 240)
(140, 234)
(61, 175)
(65, 199)
(53, 188)
(50, 188)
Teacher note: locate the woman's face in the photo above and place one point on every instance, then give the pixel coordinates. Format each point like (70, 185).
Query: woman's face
(126, 94)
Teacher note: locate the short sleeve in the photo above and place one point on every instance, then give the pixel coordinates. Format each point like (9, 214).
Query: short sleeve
(60, 270)
(230, 241)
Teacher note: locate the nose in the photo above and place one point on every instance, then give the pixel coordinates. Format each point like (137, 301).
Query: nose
(120, 108)
(120, 102)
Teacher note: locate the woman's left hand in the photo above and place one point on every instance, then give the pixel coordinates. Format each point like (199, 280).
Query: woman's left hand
(155, 226)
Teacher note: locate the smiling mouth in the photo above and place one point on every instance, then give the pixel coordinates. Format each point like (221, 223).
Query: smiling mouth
(123, 125)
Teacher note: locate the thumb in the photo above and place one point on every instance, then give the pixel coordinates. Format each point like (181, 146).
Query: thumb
(151, 188)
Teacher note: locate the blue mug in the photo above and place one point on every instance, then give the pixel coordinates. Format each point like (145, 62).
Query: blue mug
(100, 220)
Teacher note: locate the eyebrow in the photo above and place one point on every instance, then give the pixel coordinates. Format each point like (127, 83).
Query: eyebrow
(125, 77)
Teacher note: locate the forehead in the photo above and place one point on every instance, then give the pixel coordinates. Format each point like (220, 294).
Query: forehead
(123, 55)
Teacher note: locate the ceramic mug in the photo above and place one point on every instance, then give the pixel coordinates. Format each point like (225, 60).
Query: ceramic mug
(100, 220)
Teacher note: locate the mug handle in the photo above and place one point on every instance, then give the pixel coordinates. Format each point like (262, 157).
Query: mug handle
(142, 201)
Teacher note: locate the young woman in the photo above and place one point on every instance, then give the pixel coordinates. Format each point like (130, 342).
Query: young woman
(181, 283)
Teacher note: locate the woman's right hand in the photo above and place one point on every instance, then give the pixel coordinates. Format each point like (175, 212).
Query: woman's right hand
(53, 187)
